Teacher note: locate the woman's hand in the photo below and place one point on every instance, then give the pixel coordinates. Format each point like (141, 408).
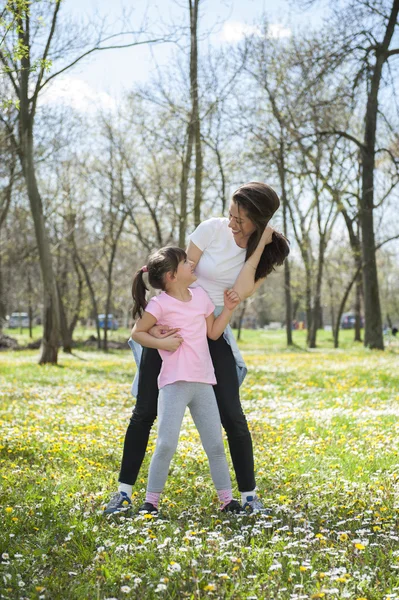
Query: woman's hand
(267, 235)
(162, 331)
(172, 342)
(231, 299)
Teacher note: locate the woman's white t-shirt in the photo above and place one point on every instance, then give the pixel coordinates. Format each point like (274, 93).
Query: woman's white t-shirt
(221, 259)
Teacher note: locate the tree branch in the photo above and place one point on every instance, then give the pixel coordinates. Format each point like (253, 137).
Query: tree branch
(96, 48)
(45, 54)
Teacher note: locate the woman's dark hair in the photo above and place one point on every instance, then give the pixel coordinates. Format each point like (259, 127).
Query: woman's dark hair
(260, 202)
(159, 263)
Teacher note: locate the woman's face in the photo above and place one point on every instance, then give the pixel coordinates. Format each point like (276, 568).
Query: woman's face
(240, 224)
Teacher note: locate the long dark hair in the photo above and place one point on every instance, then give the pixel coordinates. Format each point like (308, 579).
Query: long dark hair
(260, 202)
(159, 263)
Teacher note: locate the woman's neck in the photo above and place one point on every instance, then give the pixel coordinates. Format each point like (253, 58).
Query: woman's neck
(180, 292)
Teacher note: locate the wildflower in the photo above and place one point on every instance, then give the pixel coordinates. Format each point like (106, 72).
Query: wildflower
(210, 587)
(125, 589)
(174, 567)
(360, 546)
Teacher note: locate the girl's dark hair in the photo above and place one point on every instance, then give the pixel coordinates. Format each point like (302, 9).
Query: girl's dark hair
(159, 263)
(260, 202)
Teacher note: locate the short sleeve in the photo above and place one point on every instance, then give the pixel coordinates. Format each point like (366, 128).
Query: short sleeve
(204, 233)
(154, 308)
(209, 307)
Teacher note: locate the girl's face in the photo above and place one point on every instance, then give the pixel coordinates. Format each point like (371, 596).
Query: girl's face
(240, 224)
(185, 272)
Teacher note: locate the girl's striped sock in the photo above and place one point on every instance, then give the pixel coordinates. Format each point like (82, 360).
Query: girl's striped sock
(225, 496)
(153, 498)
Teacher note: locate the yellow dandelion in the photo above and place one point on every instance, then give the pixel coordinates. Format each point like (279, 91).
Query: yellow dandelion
(9, 509)
(210, 587)
(360, 547)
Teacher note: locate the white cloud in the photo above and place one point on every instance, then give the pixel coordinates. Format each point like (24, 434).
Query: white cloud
(276, 30)
(77, 94)
(234, 31)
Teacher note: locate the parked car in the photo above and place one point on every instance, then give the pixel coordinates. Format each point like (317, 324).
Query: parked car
(348, 321)
(112, 322)
(18, 319)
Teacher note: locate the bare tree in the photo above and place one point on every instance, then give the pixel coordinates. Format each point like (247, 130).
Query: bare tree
(35, 41)
(7, 178)
(360, 40)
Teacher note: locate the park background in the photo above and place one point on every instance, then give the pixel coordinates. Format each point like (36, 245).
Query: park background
(120, 130)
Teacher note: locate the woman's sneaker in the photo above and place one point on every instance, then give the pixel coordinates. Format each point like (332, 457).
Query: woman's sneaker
(254, 504)
(233, 507)
(119, 502)
(148, 509)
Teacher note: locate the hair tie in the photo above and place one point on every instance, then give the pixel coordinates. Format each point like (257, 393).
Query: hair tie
(144, 269)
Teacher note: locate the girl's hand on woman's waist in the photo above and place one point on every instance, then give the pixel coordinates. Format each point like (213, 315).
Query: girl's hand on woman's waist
(162, 331)
(172, 342)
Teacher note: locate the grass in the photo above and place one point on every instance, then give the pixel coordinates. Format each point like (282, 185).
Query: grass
(325, 432)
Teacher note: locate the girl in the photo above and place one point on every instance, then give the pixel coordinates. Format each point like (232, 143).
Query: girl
(187, 374)
(237, 252)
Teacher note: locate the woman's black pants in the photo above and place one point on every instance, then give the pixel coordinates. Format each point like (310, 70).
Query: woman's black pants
(231, 415)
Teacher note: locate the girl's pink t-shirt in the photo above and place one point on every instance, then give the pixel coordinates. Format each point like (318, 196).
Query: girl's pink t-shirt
(192, 360)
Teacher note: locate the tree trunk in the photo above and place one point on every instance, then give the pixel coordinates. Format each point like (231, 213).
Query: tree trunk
(358, 304)
(373, 337)
(92, 296)
(195, 108)
(66, 340)
(287, 274)
(2, 301)
(308, 300)
(49, 346)
(316, 317)
(184, 184)
(30, 308)
(342, 308)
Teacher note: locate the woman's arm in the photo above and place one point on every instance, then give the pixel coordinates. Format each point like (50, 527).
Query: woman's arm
(245, 284)
(215, 327)
(193, 253)
(141, 336)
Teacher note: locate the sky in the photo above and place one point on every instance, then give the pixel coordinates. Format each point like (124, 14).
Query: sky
(104, 77)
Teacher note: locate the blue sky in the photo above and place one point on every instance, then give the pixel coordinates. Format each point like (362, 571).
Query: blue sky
(106, 74)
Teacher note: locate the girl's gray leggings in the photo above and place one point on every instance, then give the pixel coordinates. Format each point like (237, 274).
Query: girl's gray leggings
(172, 402)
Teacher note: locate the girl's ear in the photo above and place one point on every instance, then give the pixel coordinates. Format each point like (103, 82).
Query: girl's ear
(170, 276)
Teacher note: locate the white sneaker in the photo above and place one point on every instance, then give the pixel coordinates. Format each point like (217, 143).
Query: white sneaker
(254, 504)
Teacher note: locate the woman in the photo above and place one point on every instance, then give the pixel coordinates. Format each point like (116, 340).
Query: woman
(239, 252)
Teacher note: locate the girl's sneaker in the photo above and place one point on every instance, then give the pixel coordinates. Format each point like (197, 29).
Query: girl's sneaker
(233, 507)
(255, 505)
(148, 508)
(119, 502)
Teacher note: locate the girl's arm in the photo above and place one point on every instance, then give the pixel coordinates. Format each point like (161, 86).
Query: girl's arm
(141, 336)
(215, 327)
(245, 284)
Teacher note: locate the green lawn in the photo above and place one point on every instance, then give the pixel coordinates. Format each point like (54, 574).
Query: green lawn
(325, 431)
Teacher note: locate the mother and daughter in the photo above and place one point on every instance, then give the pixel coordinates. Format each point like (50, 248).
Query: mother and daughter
(189, 355)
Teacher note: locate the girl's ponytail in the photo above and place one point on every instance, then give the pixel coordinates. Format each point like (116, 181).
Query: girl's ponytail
(159, 263)
(139, 290)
